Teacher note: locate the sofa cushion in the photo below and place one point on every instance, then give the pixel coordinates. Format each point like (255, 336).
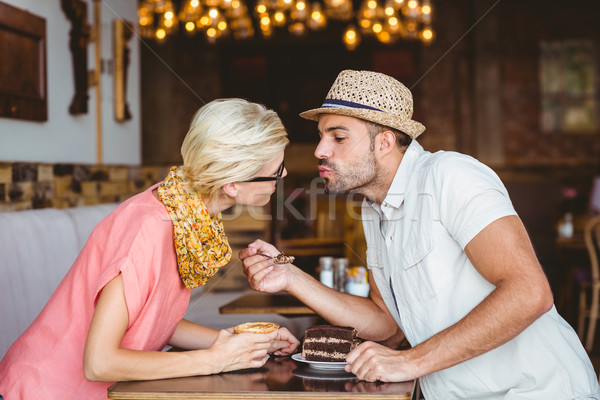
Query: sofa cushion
(37, 248)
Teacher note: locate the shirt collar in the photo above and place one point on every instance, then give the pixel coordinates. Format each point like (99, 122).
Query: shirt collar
(395, 194)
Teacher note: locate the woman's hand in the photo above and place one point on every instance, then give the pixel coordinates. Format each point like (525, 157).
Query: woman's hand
(230, 351)
(284, 344)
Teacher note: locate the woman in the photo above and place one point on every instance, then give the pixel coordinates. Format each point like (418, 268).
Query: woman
(125, 296)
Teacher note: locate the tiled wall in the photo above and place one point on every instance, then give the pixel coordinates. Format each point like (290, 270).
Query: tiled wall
(33, 185)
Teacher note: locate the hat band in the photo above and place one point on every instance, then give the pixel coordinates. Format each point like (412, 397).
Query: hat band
(334, 103)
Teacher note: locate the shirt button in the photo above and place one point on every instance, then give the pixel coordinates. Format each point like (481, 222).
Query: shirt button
(416, 256)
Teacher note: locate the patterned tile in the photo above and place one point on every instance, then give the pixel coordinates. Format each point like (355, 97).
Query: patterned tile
(24, 173)
(5, 173)
(32, 185)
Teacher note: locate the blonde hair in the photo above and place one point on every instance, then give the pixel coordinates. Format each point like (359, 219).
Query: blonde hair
(230, 140)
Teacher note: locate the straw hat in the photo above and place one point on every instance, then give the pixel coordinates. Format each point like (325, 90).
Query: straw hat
(371, 96)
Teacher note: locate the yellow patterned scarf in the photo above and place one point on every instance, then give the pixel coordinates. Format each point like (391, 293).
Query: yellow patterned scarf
(200, 242)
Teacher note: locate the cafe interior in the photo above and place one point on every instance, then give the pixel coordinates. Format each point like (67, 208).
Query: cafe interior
(96, 97)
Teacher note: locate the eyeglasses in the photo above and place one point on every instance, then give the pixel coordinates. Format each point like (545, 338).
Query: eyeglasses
(277, 177)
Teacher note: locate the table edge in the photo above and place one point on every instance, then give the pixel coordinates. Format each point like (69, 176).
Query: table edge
(256, 395)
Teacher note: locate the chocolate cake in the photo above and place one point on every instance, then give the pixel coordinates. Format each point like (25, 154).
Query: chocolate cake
(329, 342)
(283, 259)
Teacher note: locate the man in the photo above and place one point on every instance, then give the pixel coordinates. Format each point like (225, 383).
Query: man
(451, 266)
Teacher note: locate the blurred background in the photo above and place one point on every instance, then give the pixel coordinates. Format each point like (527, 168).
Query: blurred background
(96, 97)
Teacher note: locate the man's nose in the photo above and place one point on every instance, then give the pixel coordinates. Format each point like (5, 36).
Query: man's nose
(322, 151)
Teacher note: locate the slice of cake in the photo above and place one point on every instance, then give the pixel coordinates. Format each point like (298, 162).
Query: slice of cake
(329, 342)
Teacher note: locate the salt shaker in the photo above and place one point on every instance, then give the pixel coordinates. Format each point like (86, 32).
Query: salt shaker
(340, 267)
(326, 274)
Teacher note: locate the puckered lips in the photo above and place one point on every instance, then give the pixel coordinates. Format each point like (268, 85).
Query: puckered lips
(324, 172)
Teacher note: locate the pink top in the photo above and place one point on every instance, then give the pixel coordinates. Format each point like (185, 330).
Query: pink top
(136, 240)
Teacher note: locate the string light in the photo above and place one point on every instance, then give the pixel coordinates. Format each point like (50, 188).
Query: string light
(386, 20)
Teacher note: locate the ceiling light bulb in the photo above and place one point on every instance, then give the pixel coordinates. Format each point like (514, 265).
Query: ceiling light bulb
(265, 21)
(145, 21)
(384, 37)
(279, 17)
(427, 35)
(351, 38)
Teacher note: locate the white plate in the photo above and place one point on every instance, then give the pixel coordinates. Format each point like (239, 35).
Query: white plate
(323, 374)
(320, 364)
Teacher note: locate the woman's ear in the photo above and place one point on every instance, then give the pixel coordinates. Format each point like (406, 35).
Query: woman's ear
(230, 189)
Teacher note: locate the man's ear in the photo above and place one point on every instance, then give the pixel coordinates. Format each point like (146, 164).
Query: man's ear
(387, 141)
(230, 189)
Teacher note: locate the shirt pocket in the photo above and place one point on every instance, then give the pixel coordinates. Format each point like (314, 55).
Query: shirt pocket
(418, 272)
(374, 258)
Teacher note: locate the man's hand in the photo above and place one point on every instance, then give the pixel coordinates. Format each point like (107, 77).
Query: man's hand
(263, 274)
(373, 362)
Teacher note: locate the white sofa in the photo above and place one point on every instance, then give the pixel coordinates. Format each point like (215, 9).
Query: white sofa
(37, 247)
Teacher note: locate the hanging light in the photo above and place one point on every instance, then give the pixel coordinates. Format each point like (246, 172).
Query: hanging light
(384, 20)
(317, 19)
(351, 38)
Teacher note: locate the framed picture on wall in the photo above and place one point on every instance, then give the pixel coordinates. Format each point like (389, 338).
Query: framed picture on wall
(23, 92)
(569, 87)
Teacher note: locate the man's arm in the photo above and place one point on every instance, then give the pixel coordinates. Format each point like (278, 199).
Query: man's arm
(504, 255)
(368, 315)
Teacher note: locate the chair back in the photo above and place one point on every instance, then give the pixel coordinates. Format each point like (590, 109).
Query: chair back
(592, 242)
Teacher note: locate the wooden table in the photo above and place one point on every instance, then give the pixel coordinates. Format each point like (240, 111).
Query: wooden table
(280, 378)
(262, 303)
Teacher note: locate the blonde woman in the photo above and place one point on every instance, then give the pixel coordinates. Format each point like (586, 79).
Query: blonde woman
(125, 296)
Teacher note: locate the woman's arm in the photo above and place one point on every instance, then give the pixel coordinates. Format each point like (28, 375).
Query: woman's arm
(191, 336)
(104, 359)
